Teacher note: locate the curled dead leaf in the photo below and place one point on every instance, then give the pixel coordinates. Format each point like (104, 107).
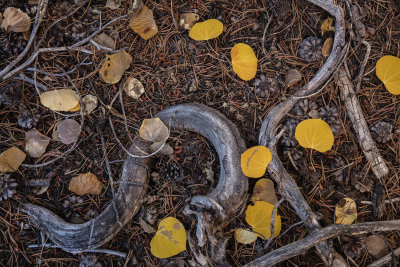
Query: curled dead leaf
(327, 47)
(15, 20)
(11, 159)
(36, 143)
(187, 20)
(133, 88)
(85, 183)
(144, 24)
(292, 76)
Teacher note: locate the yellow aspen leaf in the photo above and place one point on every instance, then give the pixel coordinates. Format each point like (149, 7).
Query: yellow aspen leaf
(244, 236)
(60, 100)
(326, 26)
(85, 183)
(264, 190)
(153, 130)
(114, 67)
(315, 134)
(254, 161)
(11, 159)
(388, 71)
(244, 61)
(258, 216)
(170, 238)
(346, 211)
(206, 30)
(76, 108)
(144, 24)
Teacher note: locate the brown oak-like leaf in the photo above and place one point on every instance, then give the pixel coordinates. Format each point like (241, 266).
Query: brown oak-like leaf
(15, 20)
(85, 183)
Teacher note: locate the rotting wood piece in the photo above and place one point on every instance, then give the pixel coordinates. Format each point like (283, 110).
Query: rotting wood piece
(267, 137)
(215, 210)
(76, 238)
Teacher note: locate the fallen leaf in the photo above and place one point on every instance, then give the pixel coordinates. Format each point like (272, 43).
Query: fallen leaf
(170, 238)
(60, 100)
(36, 143)
(85, 183)
(104, 40)
(206, 30)
(258, 216)
(146, 227)
(387, 70)
(113, 4)
(76, 108)
(144, 24)
(68, 131)
(326, 26)
(315, 134)
(167, 150)
(327, 47)
(346, 211)
(114, 67)
(244, 236)
(264, 190)
(187, 20)
(15, 20)
(133, 88)
(254, 161)
(376, 245)
(153, 130)
(292, 76)
(244, 61)
(89, 104)
(11, 159)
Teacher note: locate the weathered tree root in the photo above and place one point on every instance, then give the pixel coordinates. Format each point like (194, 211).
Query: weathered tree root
(287, 186)
(76, 238)
(216, 209)
(213, 211)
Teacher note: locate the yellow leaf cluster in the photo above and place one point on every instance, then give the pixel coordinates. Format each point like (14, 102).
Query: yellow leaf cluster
(170, 238)
(244, 61)
(206, 30)
(258, 216)
(114, 67)
(315, 134)
(346, 211)
(254, 161)
(388, 71)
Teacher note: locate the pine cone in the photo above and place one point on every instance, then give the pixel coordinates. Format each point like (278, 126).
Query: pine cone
(382, 131)
(171, 171)
(339, 174)
(303, 107)
(7, 94)
(330, 115)
(294, 152)
(7, 186)
(26, 118)
(310, 49)
(363, 182)
(288, 139)
(353, 246)
(266, 85)
(71, 201)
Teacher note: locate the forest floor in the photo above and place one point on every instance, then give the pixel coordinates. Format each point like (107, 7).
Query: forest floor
(175, 69)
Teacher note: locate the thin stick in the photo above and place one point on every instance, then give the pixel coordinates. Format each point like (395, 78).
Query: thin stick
(272, 226)
(363, 65)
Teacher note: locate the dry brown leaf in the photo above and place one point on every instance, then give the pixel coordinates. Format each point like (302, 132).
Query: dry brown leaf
(11, 159)
(15, 20)
(60, 100)
(376, 245)
(113, 4)
(68, 131)
(105, 40)
(36, 143)
(144, 24)
(187, 20)
(114, 67)
(264, 190)
(327, 47)
(153, 130)
(85, 183)
(133, 88)
(89, 104)
(292, 76)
